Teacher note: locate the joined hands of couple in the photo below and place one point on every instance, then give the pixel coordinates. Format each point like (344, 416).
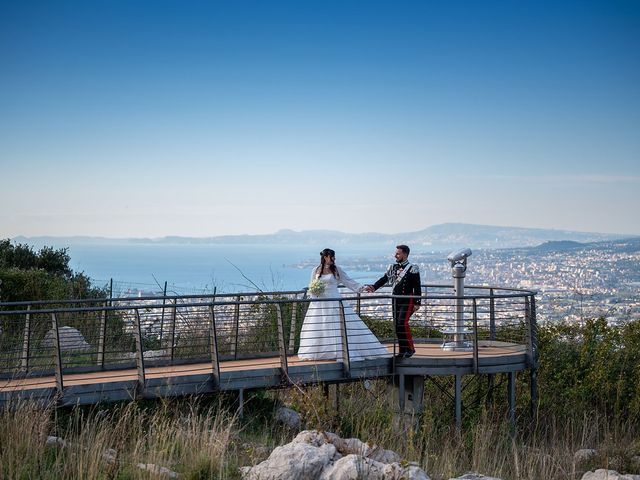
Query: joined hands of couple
(370, 289)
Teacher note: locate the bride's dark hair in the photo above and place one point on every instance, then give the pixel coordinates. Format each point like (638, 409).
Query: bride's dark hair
(332, 267)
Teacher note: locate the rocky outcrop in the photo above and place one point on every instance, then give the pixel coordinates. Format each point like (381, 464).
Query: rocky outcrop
(289, 418)
(158, 470)
(584, 455)
(355, 466)
(314, 455)
(602, 474)
(293, 461)
(71, 340)
(56, 442)
(474, 476)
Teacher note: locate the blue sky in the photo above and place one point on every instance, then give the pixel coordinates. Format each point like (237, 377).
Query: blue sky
(125, 118)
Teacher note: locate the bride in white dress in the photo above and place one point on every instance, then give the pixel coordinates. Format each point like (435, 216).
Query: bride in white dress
(321, 338)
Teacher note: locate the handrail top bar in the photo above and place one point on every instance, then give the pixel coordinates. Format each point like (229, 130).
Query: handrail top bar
(148, 297)
(215, 301)
(521, 292)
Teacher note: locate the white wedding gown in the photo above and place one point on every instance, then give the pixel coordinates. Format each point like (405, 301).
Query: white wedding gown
(321, 339)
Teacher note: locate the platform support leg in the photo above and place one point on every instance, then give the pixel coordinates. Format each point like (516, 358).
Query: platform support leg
(458, 401)
(512, 400)
(241, 402)
(332, 394)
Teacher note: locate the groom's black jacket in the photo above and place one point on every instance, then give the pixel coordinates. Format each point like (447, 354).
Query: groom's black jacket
(409, 284)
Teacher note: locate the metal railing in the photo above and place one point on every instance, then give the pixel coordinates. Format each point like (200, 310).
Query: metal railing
(66, 337)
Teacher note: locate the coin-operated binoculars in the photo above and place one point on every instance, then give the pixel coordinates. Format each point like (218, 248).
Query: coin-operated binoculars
(458, 262)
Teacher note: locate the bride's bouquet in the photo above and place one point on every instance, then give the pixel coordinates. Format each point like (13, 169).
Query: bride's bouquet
(316, 288)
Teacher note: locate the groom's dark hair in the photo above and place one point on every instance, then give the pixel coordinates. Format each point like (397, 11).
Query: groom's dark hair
(404, 248)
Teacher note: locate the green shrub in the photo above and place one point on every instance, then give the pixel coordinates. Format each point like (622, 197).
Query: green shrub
(45, 275)
(590, 366)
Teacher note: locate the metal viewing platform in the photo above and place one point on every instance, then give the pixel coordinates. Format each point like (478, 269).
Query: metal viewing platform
(89, 351)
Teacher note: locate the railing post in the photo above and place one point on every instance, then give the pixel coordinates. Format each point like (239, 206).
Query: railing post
(26, 341)
(102, 336)
(164, 302)
(425, 308)
(527, 330)
(172, 330)
(236, 328)
(346, 362)
(533, 335)
(475, 336)
(282, 347)
(492, 315)
(57, 354)
(359, 295)
(292, 329)
(492, 336)
(213, 339)
(139, 351)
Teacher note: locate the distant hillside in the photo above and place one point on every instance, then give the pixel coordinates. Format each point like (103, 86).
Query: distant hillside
(560, 246)
(624, 245)
(445, 236)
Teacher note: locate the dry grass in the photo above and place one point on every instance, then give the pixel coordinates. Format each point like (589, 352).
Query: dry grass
(210, 443)
(191, 442)
(486, 445)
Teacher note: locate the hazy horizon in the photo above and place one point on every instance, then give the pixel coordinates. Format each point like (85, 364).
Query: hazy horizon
(150, 119)
(285, 229)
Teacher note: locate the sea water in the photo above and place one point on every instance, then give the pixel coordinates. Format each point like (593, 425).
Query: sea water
(192, 269)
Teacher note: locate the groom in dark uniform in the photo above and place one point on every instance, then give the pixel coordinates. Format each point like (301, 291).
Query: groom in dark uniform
(405, 280)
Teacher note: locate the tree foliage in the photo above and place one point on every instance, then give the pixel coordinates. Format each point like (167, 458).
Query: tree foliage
(594, 366)
(26, 274)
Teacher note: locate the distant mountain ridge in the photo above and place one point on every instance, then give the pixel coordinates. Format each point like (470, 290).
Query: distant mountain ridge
(623, 245)
(444, 236)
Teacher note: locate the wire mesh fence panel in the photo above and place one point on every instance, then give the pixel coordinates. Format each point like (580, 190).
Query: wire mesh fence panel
(77, 337)
(191, 339)
(102, 334)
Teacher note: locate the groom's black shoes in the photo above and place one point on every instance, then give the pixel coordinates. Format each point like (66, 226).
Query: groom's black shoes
(407, 354)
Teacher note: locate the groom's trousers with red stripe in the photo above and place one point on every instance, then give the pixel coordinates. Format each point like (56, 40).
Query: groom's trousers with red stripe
(402, 311)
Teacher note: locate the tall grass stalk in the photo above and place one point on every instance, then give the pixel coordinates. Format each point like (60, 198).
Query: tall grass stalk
(204, 442)
(486, 444)
(191, 442)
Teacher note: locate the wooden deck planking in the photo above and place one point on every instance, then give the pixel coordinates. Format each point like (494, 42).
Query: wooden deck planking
(490, 353)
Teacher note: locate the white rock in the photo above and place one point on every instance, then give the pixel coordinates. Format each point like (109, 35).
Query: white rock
(381, 455)
(292, 461)
(339, 459)
(56, 442)
(413, 472)
(395, 471)
(351, 445)
(313, 437)
(155, 354)
(584, 455)
(71, 340)
(110, 456)
(346, 446)
(474, 476)
(158, 470)
(602, 474)
(256, 450)
(353, 467)
(289, 418)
